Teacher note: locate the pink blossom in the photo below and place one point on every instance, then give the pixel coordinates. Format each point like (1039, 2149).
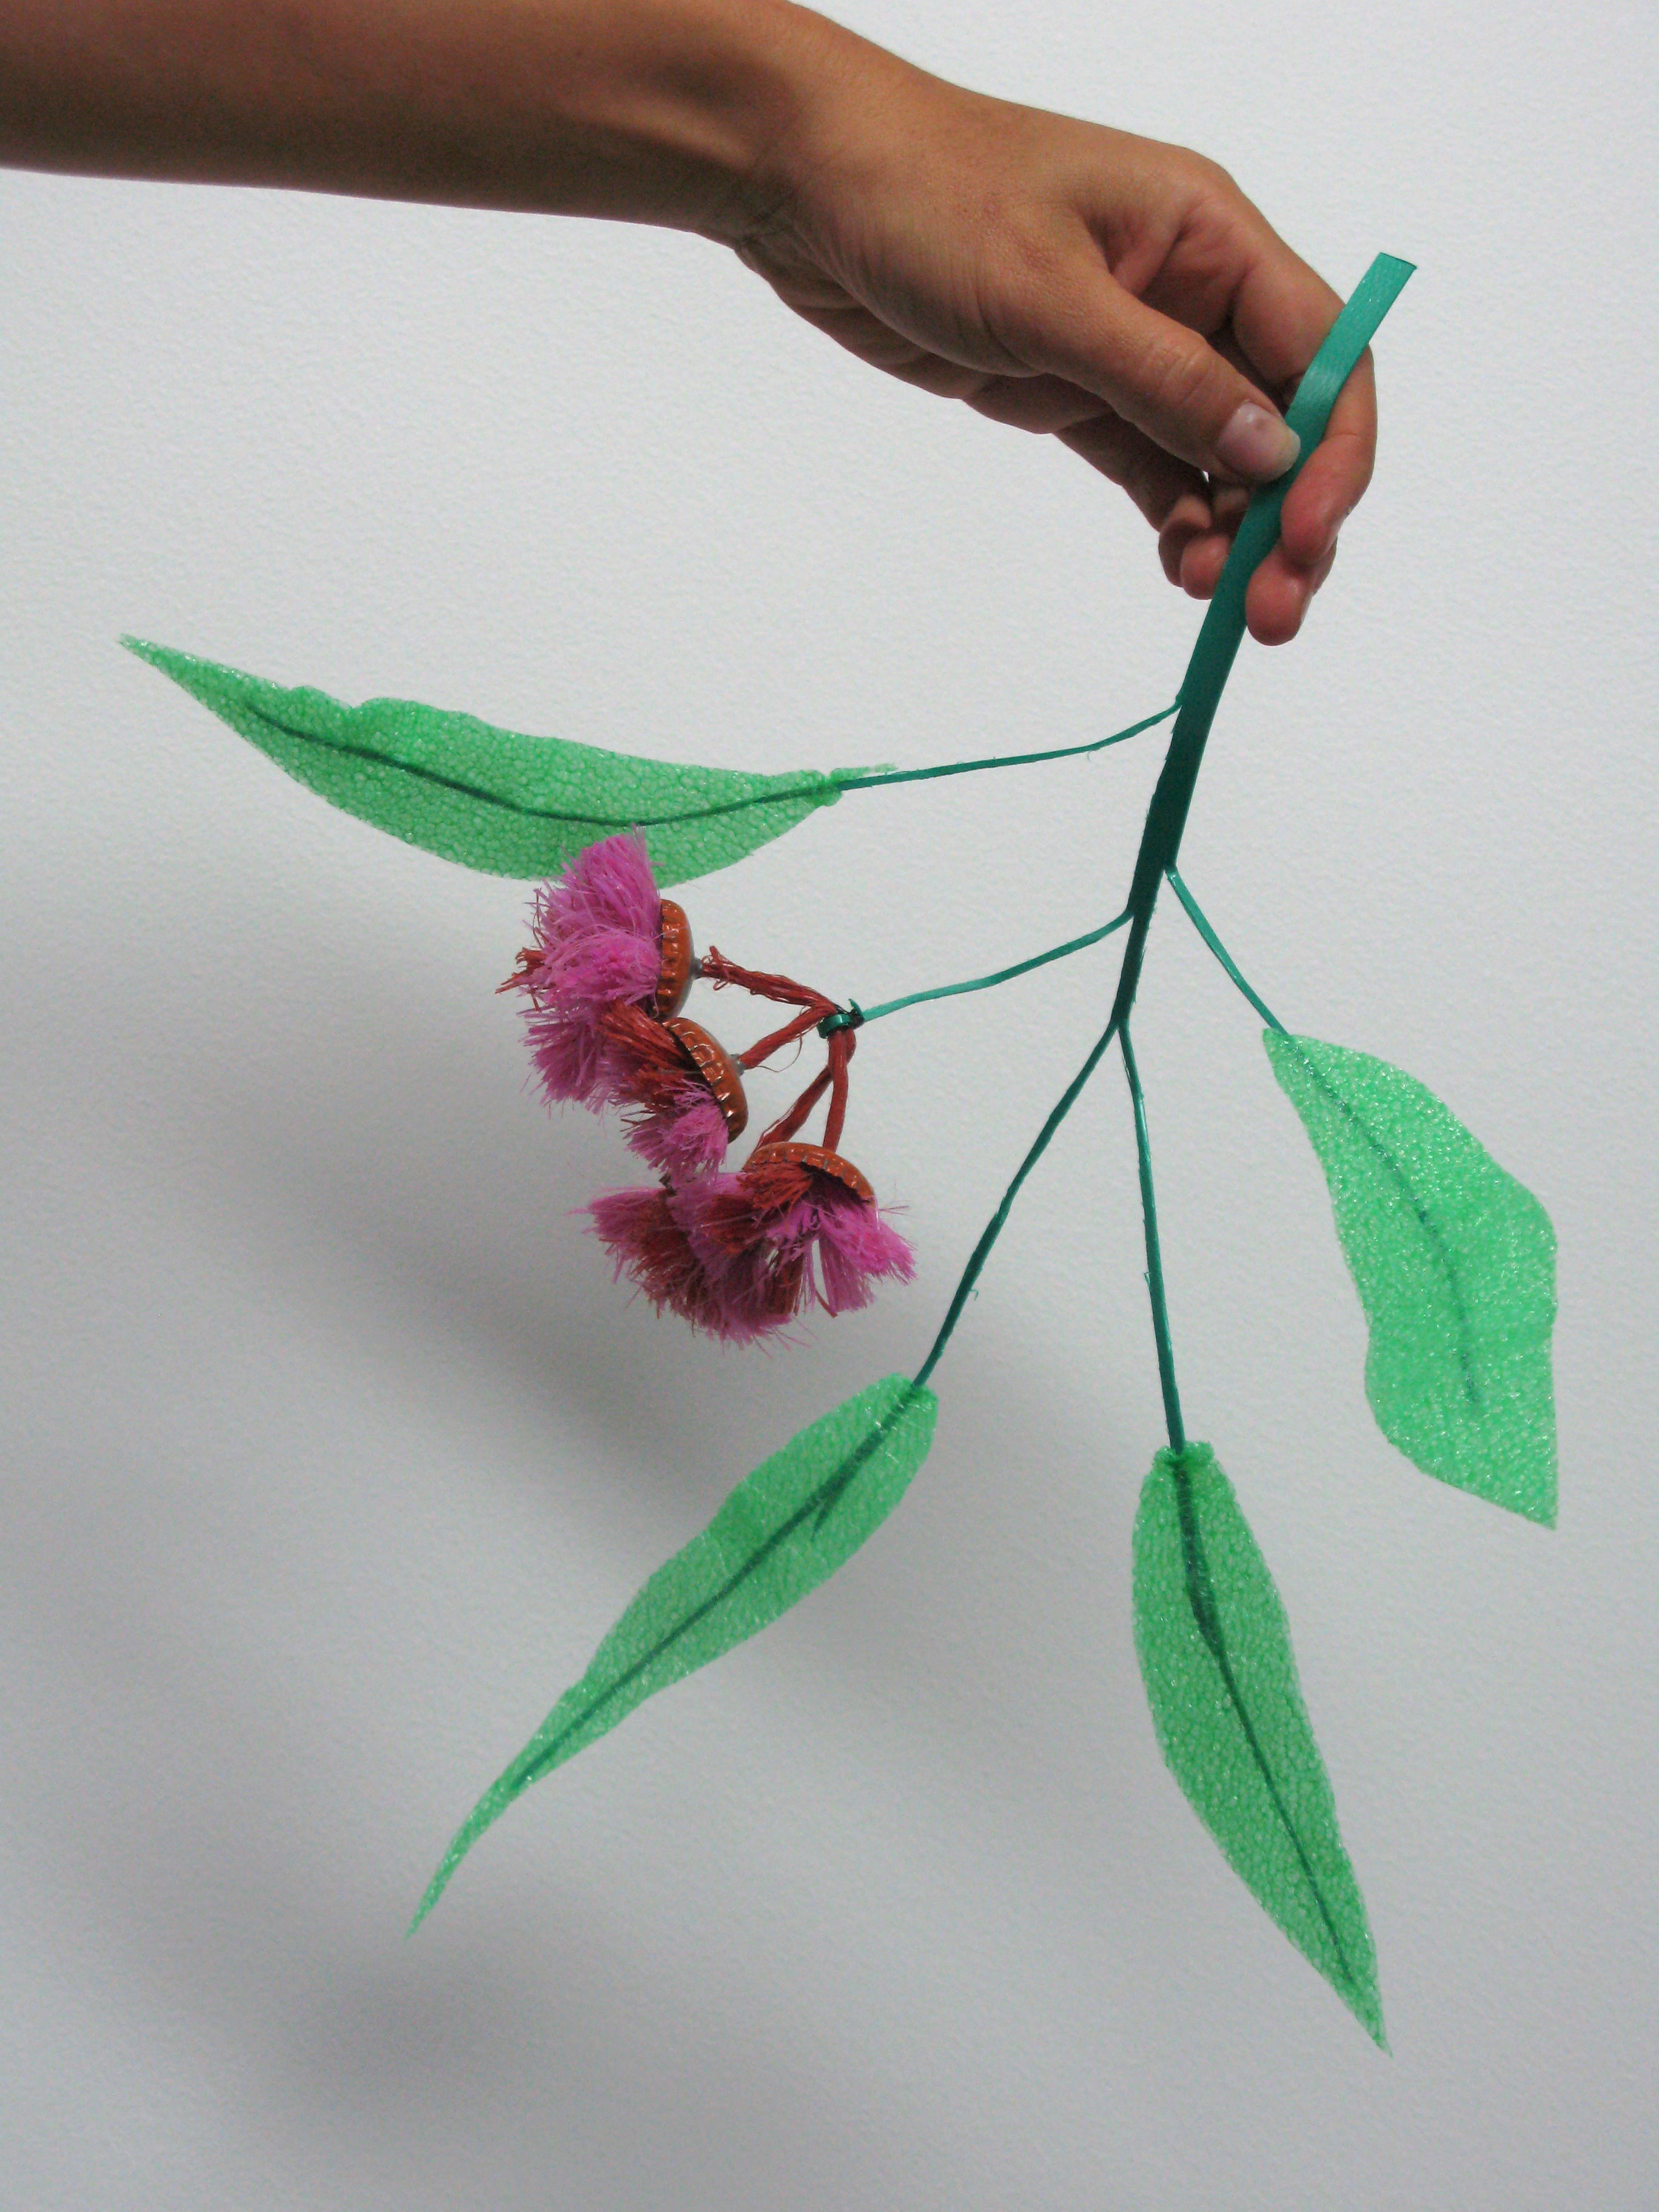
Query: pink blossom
(773, 1236)
(683, 1136)
(598, 944)
(846, 1243)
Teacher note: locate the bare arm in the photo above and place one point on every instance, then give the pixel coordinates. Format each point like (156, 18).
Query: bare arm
(1070, 279)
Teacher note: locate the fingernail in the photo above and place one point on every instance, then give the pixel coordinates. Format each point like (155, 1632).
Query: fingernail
(1257, 444)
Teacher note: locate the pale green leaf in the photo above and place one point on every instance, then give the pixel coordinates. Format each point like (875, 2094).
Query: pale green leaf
(1215, 1656)
(1454, 1263)
(492, 799)
(782, 1531)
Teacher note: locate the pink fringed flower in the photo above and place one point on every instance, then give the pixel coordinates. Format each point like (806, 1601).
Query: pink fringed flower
(682, 1089)
(684, 1141)
(645, 1233)
(847, 1243)
(603, 938)
(799, 1224)
(645, 1241)
(739, 1255)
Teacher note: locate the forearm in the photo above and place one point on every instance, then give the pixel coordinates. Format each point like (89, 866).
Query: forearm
(650, 111)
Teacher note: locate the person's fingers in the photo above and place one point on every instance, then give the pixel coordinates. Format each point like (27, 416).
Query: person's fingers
(1280, 317)
(878, 343)
(1160, 486)
(1337, 472)
(1279, 595)
(1073, 319)
(1190, 519)
(1281, 310)
(1202, 562)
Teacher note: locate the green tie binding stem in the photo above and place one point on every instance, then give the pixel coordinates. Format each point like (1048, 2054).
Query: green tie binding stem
(1452, 1259)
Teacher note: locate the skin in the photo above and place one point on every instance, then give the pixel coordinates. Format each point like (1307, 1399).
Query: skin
(1071, 280)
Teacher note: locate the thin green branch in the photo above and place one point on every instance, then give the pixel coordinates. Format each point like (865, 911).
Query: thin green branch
(1166, 1374)
(1196, 913)
(1002, 975)
(994, 1227)
(1001, 760)
(1220, 635)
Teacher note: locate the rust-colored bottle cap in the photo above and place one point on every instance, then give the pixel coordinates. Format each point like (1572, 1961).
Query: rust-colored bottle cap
(716, 1067)
(678, 959)
(813, 1156)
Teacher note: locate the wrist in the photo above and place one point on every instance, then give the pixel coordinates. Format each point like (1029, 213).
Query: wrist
(687, 112)
(848, 118)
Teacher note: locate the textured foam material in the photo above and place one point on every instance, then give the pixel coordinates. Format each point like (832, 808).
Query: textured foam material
(1454, 1262)
(1215, 1656)
(785, 1529)
(495, 800)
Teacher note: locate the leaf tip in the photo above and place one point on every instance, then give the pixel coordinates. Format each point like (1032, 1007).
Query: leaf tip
(461, 1843)
(167, 658)
(1366, 2006)
(435, 1890)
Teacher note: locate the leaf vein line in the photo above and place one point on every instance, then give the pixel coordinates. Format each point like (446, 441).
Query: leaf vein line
(819, 791)
(821, 1498)
(1201, 1598)
(1425, 1221)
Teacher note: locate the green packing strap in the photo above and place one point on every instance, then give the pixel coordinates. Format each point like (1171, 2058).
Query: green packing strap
(1223, 629)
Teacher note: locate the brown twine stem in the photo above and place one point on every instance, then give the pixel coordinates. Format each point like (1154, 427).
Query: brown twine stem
(787, 1124)
(842, 1045)
(779, 1038)
(714, 968)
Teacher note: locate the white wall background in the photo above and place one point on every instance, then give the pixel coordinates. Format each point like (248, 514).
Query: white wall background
(330, 1449)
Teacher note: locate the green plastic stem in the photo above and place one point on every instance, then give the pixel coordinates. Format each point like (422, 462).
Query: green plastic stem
(1001, 760)
(1223, 629)
(994, 1227)
(1196, 913)
(1166, 1374)
(1002, 975)
(1219, 640)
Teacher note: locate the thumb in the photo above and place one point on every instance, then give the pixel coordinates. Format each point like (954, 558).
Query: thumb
(1155, 373)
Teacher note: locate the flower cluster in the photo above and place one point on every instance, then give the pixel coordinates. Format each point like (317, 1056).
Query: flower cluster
(739, 1255)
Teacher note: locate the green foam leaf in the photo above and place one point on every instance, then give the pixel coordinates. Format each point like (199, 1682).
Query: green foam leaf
(1215, 1656)
(782, 1531)
(1454, 1263)
(492, 799)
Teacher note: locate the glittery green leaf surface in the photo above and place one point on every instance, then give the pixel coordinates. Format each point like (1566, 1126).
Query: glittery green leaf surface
(782, 1531)
(1215, 1656)
(494, 800)
(1454, 1262)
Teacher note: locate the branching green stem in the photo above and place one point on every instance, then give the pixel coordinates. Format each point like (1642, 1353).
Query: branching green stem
(994, 1227)
(1001, 760)
(1213, 654)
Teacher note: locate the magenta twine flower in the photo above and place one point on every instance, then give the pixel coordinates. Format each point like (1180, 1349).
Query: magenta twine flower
(648, 1245)
(683, 1138)
(785, 1230)
(847, 1245)
(598, 930)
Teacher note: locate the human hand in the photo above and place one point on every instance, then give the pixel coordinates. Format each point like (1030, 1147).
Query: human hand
(1120, 294)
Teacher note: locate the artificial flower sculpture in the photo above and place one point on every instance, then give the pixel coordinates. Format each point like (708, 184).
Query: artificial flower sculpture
(1452, 1259)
